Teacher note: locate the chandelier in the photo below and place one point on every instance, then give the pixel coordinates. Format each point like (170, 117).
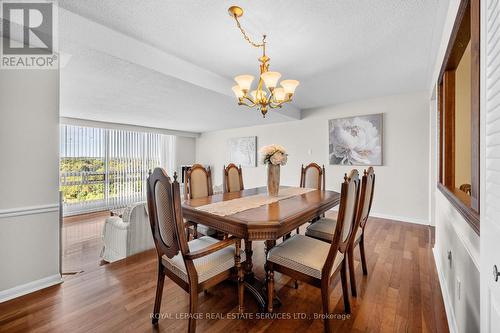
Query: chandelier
(271, 98)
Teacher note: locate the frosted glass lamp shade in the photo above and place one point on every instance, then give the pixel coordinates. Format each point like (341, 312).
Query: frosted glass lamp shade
(237, 91)
(289, 85)
(279, 94)
(270, 79)
(258, 96)
(244, 82)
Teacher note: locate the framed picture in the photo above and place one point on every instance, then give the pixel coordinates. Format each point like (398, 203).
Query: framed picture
(242, 151)
(356, 140)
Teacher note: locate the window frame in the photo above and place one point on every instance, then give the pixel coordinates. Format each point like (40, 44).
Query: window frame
(466, 28)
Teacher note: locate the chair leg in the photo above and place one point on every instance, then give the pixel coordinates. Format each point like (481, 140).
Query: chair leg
(195, 231)
(363, 256)
(298, 231)
(159, 293)
(193, 309)
(350, 259)
(270, 286)
(325, 297)
(345, 291)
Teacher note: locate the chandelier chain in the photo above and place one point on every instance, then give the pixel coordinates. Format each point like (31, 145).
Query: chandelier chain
(246, 36)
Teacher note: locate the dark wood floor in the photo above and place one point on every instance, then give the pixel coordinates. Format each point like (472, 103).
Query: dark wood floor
(400, 294)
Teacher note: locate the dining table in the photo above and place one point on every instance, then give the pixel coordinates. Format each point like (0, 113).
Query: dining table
(253, 215)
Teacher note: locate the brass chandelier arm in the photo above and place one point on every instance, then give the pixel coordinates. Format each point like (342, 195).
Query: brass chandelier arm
(263, 44)
(245, 104)
(249, 99)
(274, 104)
(252, 103)
(271, 96)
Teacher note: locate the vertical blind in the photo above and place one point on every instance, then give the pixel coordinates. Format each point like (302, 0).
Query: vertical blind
(107, 168)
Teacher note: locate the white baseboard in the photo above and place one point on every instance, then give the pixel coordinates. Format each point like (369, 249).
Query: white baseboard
(450, 315)
(396, 218)
(29, 287)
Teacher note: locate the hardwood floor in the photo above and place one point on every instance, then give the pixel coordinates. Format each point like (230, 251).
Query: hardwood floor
(400, 294)
(81, 242)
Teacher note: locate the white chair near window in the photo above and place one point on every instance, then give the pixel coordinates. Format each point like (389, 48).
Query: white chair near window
(126, 235)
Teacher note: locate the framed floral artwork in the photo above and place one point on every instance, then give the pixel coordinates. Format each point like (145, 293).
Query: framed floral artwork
(356, 140)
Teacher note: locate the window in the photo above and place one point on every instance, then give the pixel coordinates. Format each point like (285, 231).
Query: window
(106, 168)
(458, 105)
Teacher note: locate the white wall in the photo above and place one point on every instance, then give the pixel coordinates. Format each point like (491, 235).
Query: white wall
(402, 182)
(459, 276)
(29, 213)
(185, 152)
(453, 233)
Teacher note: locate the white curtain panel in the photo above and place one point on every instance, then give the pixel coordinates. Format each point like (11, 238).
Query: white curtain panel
(167, 154)
(107, 168)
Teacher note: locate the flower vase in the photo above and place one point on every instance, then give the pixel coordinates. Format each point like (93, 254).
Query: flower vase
(273, 179)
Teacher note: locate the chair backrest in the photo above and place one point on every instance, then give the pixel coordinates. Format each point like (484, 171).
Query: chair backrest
(139, 230)
(312, 176)
(198, 182)
(232, 178)
(342, 236)
(165, 214)
(467, 188)
(366, 196)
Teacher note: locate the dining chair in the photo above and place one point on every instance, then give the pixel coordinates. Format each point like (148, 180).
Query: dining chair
(195, 265)
(198, 184)
(324, 228)
(311, 176)
(232, 178)
(314, 261)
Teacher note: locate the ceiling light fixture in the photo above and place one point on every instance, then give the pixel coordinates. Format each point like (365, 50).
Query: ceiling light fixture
(275, 96)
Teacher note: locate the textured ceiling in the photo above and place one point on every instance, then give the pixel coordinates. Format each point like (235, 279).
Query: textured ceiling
(339, 50)
(99, 87)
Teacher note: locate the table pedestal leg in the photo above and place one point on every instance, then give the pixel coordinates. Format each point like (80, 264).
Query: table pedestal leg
(268, 245)
(254, 285)
(248, 260)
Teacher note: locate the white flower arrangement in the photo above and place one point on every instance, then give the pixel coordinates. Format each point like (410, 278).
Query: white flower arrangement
(273, 154)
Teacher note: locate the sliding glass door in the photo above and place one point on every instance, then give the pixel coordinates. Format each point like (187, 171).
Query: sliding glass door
(107, 168)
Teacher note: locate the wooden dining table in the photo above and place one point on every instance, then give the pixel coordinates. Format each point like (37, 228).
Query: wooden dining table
(267, 223)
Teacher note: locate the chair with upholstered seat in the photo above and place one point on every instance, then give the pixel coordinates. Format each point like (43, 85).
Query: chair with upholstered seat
(195, 265)
(198, 184)
(311, 176)
(314, 261)
(232, 178)
(324, 228)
